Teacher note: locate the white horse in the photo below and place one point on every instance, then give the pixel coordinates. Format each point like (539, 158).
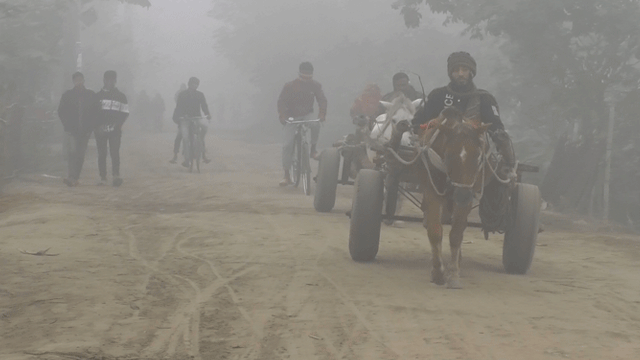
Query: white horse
(401, 108)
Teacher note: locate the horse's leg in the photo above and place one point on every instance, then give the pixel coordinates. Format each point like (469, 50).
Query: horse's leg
(458, 225)
(432, 223)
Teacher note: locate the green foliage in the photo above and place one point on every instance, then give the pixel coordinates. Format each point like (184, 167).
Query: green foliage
(564, 53)
(30, 35)
(33, 36)
(569, 60)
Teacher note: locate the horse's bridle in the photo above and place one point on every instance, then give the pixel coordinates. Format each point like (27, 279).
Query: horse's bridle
(436, 160)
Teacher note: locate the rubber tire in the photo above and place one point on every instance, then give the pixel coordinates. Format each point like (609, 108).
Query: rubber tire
(366, 215)
(191, 152)
(522, 229)
(199, 156)
(327, 180)
(296, 171)
(306, 170)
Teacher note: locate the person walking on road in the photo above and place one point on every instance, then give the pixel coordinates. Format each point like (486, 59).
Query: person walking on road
(77, 111)
(114, 111)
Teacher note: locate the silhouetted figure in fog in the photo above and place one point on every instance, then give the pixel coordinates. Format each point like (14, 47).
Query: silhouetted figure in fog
(143, 111)
(220, 103)
(114, 111)
(178, 140)
(401, 85)
(158, 108)
(77, 110)
(183, 87)
(368, 103)
(296, 101)
(191, 103)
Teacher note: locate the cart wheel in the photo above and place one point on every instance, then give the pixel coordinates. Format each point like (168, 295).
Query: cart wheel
(522, 229)
(327, 180)
(366, 215)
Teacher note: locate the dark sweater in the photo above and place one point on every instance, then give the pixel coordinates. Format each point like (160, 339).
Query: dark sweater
(297, 98)
(78, 110)
(190, 103)
(443, 97)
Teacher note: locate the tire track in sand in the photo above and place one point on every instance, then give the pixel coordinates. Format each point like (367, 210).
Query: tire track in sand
(184, 323)
(301, 288)
(186, 319)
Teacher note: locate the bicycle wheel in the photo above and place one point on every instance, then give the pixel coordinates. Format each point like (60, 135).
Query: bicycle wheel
(306, 169)
(198, 152)
(192, 151)
(297, 161)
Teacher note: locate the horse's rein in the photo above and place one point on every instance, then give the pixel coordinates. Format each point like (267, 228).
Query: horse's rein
(481, 168)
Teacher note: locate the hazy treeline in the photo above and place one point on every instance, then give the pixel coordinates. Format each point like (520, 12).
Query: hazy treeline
(557, 67)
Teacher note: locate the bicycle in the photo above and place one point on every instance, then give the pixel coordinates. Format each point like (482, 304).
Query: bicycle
(195, 150)
(301, 165)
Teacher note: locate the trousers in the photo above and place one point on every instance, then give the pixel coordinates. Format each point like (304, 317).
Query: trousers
(108, 142)
(76, 149)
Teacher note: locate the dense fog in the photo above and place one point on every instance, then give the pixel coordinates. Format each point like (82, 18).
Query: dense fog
(561, 71)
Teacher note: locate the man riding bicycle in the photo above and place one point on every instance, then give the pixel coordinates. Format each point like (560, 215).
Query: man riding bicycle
(296, 101)
(189, 105)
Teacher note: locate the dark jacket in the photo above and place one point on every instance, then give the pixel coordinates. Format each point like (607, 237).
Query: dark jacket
(297, 98)
(114, 109)
(189, 104)
(410, 93)
(443, 97)
(78, 110)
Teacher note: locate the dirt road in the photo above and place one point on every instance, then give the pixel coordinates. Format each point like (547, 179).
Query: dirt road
(227, 265)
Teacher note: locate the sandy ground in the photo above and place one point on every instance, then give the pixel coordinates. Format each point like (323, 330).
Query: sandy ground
(227, 265)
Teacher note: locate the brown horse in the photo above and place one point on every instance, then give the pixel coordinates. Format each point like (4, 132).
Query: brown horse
(451, 173)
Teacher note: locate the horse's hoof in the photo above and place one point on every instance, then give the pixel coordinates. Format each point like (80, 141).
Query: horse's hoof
(454, 283)
(437, 277)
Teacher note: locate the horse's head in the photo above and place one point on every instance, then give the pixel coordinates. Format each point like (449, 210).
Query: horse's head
(400, 112)
(401, 108)
(464, 149)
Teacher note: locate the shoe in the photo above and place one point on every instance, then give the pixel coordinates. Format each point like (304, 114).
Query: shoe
(117, 181)
(285, 182)
(174, 160)
(102, 182)
(70, 182)
(315, 156)
(185, 164)
(205, 160)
